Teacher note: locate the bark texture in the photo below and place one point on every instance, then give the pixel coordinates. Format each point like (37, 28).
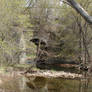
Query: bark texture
(80, 10)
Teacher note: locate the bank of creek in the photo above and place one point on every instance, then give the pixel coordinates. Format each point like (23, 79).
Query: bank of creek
(45, 81)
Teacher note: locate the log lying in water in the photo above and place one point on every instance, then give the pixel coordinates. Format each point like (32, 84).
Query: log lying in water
(49, 74)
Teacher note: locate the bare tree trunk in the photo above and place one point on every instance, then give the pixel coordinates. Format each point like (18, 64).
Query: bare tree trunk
(23, 48)
(80, 10)
(83, 34)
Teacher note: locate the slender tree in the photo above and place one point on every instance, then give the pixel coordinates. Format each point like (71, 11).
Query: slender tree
(80, 10)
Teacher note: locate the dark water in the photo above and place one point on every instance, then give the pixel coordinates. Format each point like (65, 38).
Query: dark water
(18, 83)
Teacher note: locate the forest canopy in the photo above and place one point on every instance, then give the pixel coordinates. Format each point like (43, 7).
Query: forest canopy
(62, 33)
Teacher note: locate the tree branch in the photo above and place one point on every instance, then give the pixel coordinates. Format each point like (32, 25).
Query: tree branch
(80, 10)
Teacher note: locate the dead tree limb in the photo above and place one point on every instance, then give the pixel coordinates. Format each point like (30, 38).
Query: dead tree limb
(80, 10)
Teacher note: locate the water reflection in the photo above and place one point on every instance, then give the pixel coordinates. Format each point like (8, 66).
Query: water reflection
(85, 83)
(14, 83)
(61, 85)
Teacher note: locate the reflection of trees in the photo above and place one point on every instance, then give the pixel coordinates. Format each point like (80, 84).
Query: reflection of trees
(84, 82)
(53, 85)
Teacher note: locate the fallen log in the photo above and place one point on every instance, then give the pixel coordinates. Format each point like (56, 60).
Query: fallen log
(53, 74)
